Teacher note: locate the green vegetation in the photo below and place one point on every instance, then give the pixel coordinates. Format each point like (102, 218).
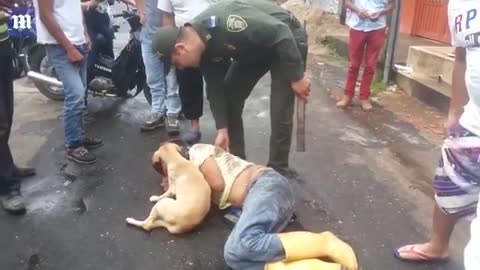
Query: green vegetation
(377, 87)
(332, 51)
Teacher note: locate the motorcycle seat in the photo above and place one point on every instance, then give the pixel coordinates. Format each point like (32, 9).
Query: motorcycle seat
(106, 61)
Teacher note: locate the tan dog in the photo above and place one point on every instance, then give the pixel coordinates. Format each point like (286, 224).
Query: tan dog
(187, 184)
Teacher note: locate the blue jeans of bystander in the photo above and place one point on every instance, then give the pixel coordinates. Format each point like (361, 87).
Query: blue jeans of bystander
(73, 77)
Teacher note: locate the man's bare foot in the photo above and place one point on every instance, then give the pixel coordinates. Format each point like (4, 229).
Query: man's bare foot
(366, 105)
(344, 102)
(422, 253)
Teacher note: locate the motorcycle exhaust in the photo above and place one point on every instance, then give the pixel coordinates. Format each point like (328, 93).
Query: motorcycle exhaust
(36, 76)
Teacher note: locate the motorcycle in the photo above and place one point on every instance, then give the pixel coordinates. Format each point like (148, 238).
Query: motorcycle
(108, 77)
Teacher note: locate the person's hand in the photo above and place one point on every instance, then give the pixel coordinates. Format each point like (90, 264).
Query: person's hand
(451, 124)
(142, 16)
(88, 42)
(375, 16)
(222, 140)
(362, 13)
(74, 55)
(94, 3)
(3, 16)
(301, 88)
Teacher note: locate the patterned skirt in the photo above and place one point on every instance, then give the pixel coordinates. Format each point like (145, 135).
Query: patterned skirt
(457, 179)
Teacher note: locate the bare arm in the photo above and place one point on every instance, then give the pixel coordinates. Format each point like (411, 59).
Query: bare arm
(349, 5)
(85, 6)
(459, 96)
(48, 19)
(140, 4)
(388, 8)
(168, 18)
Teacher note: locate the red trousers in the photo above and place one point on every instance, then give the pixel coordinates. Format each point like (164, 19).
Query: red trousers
(363, 43)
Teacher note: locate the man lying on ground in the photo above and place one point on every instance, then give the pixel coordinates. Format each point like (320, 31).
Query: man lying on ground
(256, 241)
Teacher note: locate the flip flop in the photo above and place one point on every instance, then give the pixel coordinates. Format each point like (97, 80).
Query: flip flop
(417, 256)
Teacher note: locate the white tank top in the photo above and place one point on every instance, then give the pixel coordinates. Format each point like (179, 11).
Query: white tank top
(69, 16)
(230, 167)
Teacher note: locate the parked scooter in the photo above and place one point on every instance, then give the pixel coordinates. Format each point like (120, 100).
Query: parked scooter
(109, 78)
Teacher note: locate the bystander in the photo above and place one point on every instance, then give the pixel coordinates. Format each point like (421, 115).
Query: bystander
(166, 104)
(367, 22)
(190, 80)
(457, 179)
(10, 175)
(60, 27)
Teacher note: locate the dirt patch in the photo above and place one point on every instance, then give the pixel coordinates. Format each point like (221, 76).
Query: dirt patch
(319, 24)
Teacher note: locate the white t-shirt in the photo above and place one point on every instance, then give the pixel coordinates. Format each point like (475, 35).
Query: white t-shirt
(472, 251)
(184, 10)
(69, 16)
(464, 21)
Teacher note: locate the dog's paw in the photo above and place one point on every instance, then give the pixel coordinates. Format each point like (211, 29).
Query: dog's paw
(154, 198)
(130, 220)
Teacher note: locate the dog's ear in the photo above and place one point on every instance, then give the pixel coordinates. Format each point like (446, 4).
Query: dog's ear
(157, 163)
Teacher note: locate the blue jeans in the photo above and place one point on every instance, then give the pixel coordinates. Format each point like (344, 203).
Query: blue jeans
(163, 101)
(74, 79)
(268, 207)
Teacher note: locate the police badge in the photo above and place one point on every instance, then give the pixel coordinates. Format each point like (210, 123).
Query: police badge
(236, 23)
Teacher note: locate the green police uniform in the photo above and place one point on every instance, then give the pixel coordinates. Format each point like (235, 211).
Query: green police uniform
(244, 40)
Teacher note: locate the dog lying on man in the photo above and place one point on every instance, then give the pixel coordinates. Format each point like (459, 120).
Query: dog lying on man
(186, 202)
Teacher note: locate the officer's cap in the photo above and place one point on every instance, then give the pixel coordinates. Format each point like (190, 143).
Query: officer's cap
(164, 41)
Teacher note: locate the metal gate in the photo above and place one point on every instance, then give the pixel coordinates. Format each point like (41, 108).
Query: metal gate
(431, 20)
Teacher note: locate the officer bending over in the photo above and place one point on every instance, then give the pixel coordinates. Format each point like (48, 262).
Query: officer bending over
(235, 42)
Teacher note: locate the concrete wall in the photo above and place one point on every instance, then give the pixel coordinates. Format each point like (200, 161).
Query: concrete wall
(330, 6)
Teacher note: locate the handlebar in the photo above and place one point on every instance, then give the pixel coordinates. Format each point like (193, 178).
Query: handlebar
(126, 14)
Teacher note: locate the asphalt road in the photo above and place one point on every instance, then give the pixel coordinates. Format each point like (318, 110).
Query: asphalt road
(352, 183)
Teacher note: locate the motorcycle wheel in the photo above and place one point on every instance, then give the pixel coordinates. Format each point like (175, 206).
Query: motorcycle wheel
(39, 63)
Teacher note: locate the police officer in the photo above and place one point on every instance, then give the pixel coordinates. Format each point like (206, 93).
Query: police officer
(235, 42)
(10, 175)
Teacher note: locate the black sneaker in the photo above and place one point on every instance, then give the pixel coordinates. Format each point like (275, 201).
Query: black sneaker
(173, 128)
(92, 143)
(154, 121)
(81, 155)
(191, 137)
(13, 203)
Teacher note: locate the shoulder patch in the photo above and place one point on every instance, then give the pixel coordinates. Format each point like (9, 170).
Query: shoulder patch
(236, 23)
(210, 22)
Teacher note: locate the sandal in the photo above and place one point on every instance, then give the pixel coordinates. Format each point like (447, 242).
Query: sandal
(417, 256)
